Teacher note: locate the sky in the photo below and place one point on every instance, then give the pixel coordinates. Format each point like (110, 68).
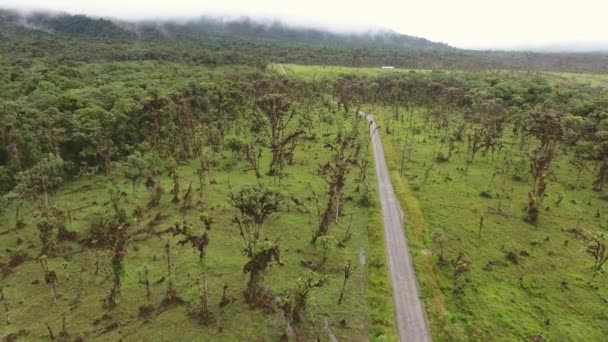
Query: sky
(476, 24)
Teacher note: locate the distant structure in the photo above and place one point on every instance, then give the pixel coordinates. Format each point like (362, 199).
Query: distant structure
(388, 67)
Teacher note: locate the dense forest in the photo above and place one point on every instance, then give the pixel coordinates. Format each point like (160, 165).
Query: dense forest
(159, 184)
(213, 42)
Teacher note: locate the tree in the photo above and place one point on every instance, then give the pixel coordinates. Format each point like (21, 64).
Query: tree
(236, 145)
(253, 157)
(263, 256)
(50, 277)
(43, 178)
(325, 244)
(346, 152)
(198, 242)
(203, 169)
(602, 175)
(35, 184)
(187, 200)
(255, 203)
(94, 132)
(155, 195)
(202, 312)
(145, 280)
(51, 219)
(275, 108)
(111, 231)
(171, 296)
(440, 240)
(461, 265)
(548, 128)
(296, 302)
(347, 271)
(175, 190)
(597, 248)
(134, 168)
(6, 305)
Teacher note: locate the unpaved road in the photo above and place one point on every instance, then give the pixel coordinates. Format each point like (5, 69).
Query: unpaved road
(282, 69)
(409, 310)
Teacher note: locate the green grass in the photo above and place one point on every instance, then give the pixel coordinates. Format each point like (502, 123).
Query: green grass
(546, 293)
(328, 72)
(594, 80)
(366, 310)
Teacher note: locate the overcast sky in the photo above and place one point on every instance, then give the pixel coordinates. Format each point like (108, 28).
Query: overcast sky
(461, 23)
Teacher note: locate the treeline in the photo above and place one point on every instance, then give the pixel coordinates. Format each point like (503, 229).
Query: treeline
(92, 115)
(214, 42)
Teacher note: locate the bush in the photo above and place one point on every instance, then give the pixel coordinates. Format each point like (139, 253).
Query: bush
(486, 194)
(441, 158)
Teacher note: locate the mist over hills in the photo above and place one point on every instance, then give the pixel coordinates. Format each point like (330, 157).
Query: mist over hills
(217, 41)
(202, 27)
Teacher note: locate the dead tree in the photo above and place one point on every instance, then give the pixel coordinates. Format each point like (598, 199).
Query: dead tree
(50, 277)
(156, 194)
(198, 242)
(187, 200)
(145, 281)
(203, 170)
(253, 158)
(5, 305)
(175, 186)
(347, 271)
(202, 312)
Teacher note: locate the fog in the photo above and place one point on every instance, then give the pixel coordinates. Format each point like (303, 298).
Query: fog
(478, 24)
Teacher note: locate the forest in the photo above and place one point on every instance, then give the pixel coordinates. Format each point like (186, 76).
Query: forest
(168, 188)
(215, 42)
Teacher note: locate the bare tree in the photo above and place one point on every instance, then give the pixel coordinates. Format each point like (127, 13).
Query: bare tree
(596, 247)
(347, 272)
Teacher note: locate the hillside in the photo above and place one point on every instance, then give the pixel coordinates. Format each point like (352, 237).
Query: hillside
(202, 29)
(211, 42)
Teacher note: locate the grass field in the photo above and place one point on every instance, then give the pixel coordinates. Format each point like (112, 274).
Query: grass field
(525, 280)
(312, 72)
(320, 72)
(366, 310)
(594, 80)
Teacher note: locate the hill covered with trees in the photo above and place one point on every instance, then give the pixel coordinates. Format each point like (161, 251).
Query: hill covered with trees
(212, 41)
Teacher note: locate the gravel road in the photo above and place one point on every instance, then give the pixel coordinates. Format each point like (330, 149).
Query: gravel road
(411, 318)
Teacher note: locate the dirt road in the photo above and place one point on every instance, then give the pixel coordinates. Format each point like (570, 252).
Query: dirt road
(282, 69)
(409, 310)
